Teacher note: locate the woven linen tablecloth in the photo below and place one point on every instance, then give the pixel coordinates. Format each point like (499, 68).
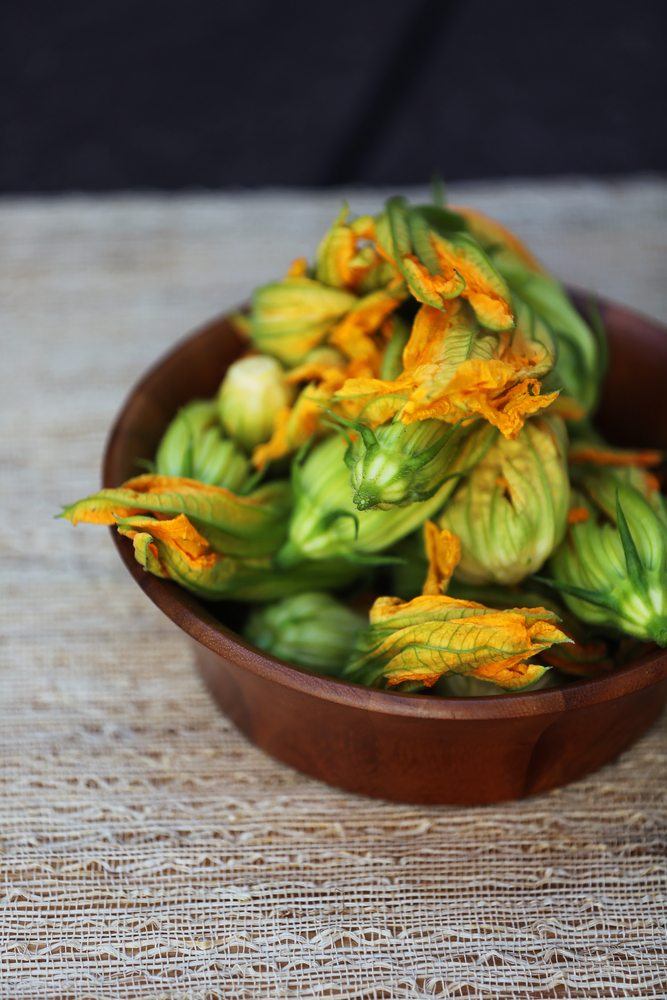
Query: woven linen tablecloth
(147, 850)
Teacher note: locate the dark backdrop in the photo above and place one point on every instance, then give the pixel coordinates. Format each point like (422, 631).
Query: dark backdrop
(138, 93)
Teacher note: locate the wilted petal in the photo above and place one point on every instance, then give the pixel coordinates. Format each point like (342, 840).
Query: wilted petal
(443, 552)
(250, 525)
(355, 335)
(431, 636)
(588, 454)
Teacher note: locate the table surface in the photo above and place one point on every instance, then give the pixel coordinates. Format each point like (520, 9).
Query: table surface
(147, 850)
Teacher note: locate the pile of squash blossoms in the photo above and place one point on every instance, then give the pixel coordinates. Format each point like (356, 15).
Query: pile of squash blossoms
(411, 415)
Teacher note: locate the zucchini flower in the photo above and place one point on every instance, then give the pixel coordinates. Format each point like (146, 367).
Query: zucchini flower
(298, 424)
(440, 261)
(289, 318)
(244, 526)
(454, 371)
(581, 354)
(326, 524)
(416, 643)
(347, 257)
(511, 511)
(193, 447)
(612, 567)
(586, 655)
(252, 394)
(581, 358)
(175, 551)
(215, 544)
(399, 464)
(313, 630)
(420, 641)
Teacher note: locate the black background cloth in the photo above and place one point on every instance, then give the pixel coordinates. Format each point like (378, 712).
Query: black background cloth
(136, 94)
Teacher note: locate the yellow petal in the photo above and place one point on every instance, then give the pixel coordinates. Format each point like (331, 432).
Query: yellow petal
(443, 551)
(298, 268)
(177, 531)
(484, 289)
(577, 515)
(324, 363)
(297, 424)
(385, 609)
(492, 647)
(480, 387)
(427, 337)
(355, 333)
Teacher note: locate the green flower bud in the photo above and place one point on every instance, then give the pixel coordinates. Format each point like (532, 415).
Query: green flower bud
(511, 511)
(325, 522)
(290, 317)
(313, 630)
(217, 460)
(174, 453)
(612, 567)
(251, 395)
(399, 464)
(193, 447)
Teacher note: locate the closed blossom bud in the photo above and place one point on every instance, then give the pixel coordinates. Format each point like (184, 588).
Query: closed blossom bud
(252, 393)
(611, 568)
(510, 513)
(399, 464)
(326, 524)
(289, 318)
(312, 630)
(194, 447)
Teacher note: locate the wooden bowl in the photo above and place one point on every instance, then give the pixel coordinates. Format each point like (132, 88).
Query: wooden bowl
(409, 748)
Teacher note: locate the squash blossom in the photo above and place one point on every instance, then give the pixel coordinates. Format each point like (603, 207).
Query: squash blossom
(611, 568)
(418, 642)
(441, 261)
(211, 542)
(511, 511)
(454, 371)
(252, 393)
(399, 463)
(585, 655)
(581, 354)
(313, 630)
(348, 258)
(325, 522)
(176, 551)
(580, 363)
(241, 526)
(194, 447)
(289, 318)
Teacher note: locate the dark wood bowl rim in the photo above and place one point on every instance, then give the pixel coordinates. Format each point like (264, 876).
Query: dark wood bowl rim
(194, 618)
